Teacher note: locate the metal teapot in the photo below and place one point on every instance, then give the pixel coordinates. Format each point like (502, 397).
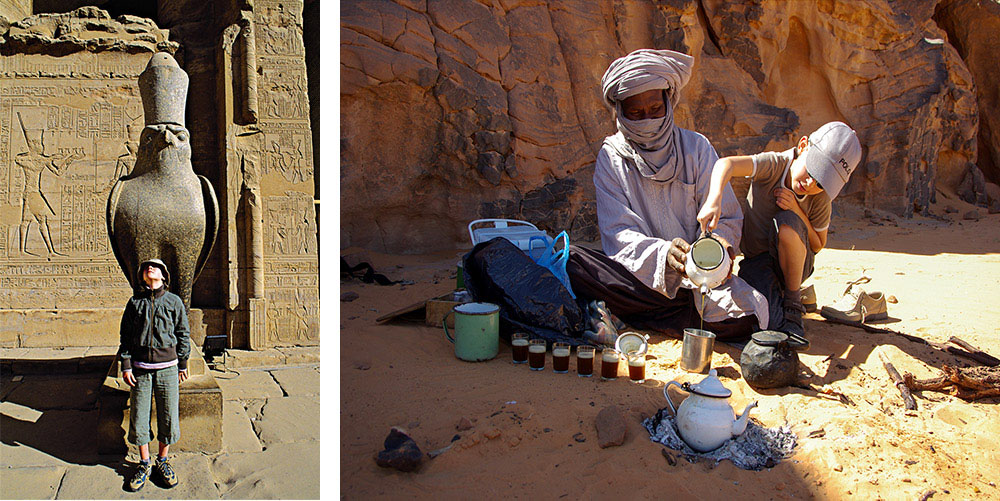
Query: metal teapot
(770, 360)
(708, 263)
(705, 420)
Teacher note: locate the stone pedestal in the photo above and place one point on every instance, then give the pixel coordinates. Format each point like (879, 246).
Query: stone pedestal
(200, 411)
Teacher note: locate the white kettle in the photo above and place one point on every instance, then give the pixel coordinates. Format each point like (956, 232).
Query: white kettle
(705, 420)
(708, 263)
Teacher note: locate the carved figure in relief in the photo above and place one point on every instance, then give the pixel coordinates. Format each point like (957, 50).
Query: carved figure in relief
(162, 209)
(34, 205)
(289, 162)
(126, 160)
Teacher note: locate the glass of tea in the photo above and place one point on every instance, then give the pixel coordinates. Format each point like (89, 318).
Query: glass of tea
(585, 361)
(609, 364)
(560, 358)
(536, 354)
(637, 369)
(519, 347)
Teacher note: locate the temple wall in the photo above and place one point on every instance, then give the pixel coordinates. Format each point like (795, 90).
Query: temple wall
(69, 83)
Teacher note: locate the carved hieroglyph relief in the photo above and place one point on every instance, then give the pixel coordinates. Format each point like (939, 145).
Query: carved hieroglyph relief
(64, 140)
(289, 217)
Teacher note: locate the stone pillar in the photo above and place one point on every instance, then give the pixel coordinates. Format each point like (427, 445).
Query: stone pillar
(16, 10)
(290, 256)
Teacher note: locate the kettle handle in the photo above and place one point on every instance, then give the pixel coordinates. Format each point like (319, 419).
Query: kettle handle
(667, 396)
(444, 321)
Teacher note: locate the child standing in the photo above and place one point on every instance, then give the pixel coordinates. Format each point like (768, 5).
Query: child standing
(155, 344)
(788, 215)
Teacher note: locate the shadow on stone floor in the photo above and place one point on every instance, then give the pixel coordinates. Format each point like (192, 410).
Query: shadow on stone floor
(46, 419)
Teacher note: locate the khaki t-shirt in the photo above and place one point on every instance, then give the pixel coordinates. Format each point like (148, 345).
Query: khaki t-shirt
(770, 170)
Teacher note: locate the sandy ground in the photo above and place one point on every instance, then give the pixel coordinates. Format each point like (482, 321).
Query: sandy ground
(942, 272)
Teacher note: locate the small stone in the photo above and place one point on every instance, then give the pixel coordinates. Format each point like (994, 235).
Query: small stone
(892, 299)
(780, 486)
(907, 479)
(838, 468)
(972, 215)
(471, 440)
(362, 366)
(950, 209)
(547, 430)
(669, 457)
(817, 433)
(580, 437)
(348, 296)
(610, 426)
(401, 452)
(491, 434)
(513, 441)
(463, 424)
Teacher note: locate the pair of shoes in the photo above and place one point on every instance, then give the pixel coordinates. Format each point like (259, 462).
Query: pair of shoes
(857, 305)
(165, 474)
(139, 477)
(809, 298)
(162, 472)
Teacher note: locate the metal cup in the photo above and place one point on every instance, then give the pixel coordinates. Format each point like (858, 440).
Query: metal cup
(696, 352)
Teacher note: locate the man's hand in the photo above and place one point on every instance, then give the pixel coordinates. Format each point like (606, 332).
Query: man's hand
(129, 378)
(182, 375)
(677, 255)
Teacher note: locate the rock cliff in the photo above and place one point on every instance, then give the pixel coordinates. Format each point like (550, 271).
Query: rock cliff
(453, 110)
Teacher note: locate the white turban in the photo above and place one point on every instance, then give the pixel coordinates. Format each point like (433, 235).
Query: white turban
(650, 144)
(647, 69)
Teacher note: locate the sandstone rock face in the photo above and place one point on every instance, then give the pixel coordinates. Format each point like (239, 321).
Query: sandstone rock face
(453, 110)
(974, 30)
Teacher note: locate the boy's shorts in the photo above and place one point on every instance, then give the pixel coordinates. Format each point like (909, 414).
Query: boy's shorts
(790, 219)
(161, 385)
(763, 272)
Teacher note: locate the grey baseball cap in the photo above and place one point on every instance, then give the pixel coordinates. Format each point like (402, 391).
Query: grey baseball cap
(834, 152)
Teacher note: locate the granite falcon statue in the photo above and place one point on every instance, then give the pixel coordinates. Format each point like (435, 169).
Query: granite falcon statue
(162, 209)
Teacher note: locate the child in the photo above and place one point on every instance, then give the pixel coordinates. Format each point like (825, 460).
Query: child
(788, 214)
(155, 345)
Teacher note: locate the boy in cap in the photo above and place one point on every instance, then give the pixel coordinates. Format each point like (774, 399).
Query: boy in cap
(154, 350)
(788, 214)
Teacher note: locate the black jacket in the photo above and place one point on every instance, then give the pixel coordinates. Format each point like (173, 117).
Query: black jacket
(154, 329)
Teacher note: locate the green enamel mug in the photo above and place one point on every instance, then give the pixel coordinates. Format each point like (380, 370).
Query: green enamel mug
(477, 331)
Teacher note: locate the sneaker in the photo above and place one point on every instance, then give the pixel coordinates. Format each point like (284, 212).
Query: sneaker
(792, 323)
(809, 299)
(857, 305)
(139, 477)
(165, 474)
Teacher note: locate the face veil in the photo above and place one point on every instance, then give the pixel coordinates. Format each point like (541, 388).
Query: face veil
(649, 143)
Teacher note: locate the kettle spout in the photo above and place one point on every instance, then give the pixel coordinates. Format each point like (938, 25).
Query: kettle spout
(740, 425)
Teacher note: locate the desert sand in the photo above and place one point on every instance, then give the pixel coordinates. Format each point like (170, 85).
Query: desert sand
(942, 271)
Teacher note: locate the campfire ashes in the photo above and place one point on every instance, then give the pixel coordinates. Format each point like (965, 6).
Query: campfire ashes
(757, 448)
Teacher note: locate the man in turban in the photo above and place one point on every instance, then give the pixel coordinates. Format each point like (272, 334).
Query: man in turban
(651, 178)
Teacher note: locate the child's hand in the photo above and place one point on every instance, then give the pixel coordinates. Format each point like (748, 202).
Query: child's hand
(182, 375)
(129, 378)
(785, 198)
(709, 216)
